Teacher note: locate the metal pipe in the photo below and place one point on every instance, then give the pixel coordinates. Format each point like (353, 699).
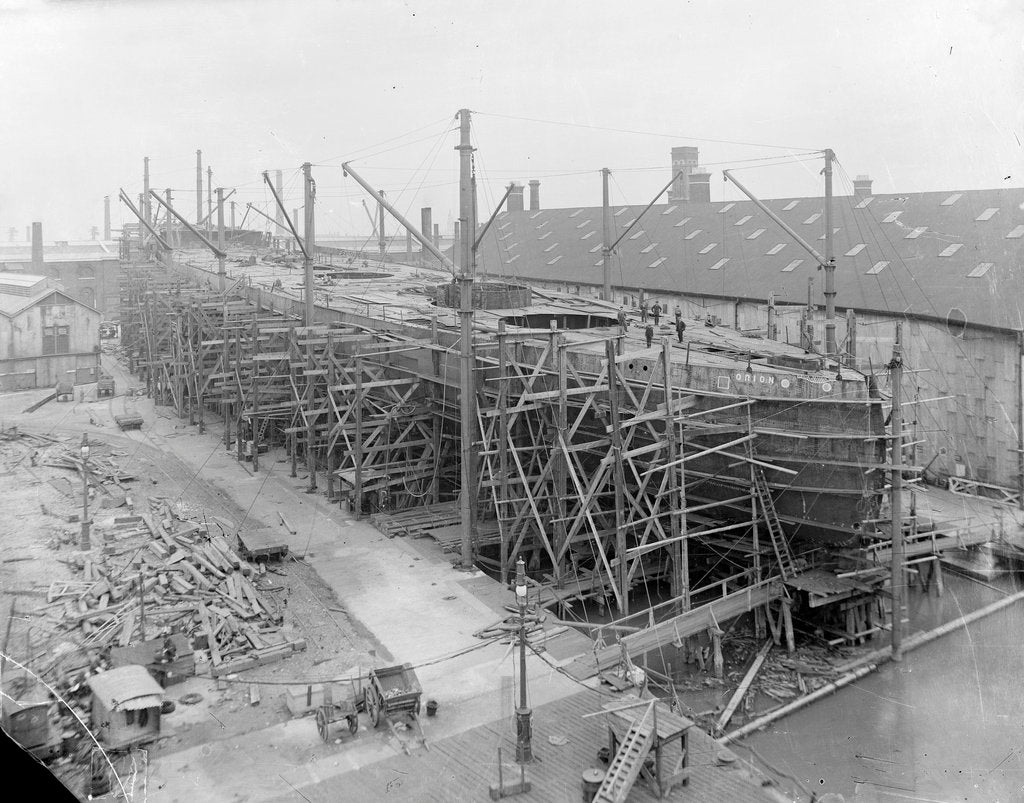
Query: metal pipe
(466, 390)
(636, 220)
(143, 221)
(199, 188)
(220, 238)
(188, 225)
(830, 262)
(785, 226)
(309, 193)
(423, 239)
(490, 220)
(281, 209)
(606, 250)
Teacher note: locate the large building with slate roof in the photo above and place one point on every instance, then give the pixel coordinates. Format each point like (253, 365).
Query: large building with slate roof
(948, 264)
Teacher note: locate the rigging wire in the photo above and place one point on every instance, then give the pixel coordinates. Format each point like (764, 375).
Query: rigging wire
(644, 133)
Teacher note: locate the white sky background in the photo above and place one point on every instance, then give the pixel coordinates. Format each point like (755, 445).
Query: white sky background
(919, 94)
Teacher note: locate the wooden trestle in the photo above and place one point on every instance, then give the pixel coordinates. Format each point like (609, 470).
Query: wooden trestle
(584, 473)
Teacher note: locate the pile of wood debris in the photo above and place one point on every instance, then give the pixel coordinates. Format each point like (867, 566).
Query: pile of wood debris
(160, 573)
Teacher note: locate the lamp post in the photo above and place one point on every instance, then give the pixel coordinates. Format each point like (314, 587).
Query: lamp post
(85, 545)
(524, 749)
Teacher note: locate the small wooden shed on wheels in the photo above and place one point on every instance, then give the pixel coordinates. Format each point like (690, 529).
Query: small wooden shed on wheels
(125, 706)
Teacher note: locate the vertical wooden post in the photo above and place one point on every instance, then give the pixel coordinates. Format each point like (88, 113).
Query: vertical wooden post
(896, 484)
(622, 575)
(787, 624)
(680, 580)
(254, 420)
(561, 470)
(503, 532)
(358, 456)
(311, 417)
(332, 462)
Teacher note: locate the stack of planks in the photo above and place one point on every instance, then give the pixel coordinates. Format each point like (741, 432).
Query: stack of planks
(164, 572)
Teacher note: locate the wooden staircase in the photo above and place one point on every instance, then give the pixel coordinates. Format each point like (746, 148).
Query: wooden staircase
(780, 544)
(628, 761)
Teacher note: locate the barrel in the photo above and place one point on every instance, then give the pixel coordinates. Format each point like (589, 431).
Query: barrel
(592, 780)
(431, 707)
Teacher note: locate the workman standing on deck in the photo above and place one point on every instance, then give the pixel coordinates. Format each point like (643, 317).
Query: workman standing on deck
(679, 314)
(643, 310)
(623, 321)
(649, 334)
(656, 312)
(680, 328)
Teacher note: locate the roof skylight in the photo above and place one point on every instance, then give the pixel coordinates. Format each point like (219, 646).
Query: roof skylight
(671, 209)
(792, 266)
(981, 270)
(988, 213)
(865, 202)
(588, 235)
(657, 262)
(774, 249)
(1017, 233)
(892, 217)
(584, 224)
(952, 199)
(636, 234)
(949, 250)
(578, 211)
(790, 206)
(755, 234)
(812, 218)
(551, 247)
(707, 249)
(877, 268)
(725, 208)
(742, 220)
(649, 248)
(625, 208)
(683, 222)
(718, 265)
(553, 261)
(856, 250)
(545, 235)
(692, 234)
(916, 232)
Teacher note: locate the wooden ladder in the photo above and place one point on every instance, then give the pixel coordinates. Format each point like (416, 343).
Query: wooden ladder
(787, 567)
(628, 761)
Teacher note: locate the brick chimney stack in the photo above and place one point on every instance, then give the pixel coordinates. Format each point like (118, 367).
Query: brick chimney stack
(700, 186)
(37, 249)
(534, 195)
(861, 187)
(515, 198)
(684, 158)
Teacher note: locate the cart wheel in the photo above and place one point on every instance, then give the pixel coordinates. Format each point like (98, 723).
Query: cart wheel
(353, 725)
(373, 707)
(322, 724)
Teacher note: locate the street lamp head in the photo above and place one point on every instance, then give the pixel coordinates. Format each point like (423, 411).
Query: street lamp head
(520, 581)
(85, 446)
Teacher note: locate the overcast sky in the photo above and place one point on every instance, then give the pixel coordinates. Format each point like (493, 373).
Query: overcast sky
(919, 94)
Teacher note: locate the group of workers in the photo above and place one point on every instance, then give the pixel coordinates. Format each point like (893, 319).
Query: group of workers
(655, 312)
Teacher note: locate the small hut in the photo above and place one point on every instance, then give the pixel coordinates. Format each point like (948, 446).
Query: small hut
(125, 706)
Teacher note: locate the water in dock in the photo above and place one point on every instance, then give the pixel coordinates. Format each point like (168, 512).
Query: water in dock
(945, 724)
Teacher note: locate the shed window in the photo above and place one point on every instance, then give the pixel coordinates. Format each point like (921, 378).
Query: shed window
(129, 717)
(56, 340)
(143, 717)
